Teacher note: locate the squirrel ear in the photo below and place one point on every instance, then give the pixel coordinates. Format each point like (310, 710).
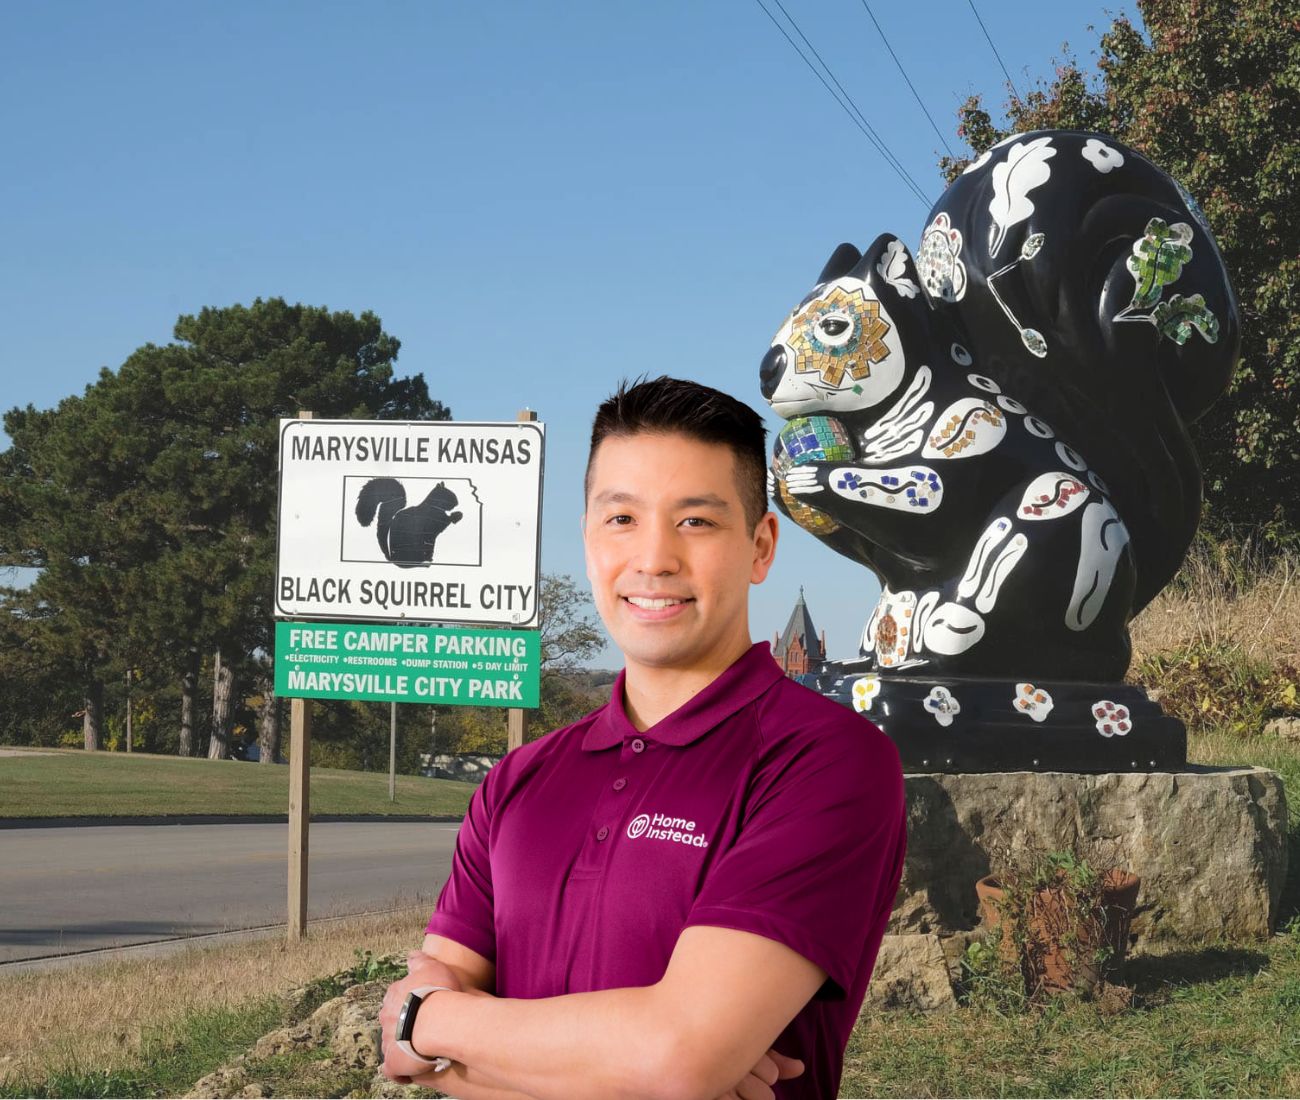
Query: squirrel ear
(841, 263)
(887, 263)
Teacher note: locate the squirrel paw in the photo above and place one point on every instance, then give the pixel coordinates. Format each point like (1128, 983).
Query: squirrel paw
(802, 481)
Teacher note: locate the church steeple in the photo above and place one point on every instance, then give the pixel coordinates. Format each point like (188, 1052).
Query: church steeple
(799, 649)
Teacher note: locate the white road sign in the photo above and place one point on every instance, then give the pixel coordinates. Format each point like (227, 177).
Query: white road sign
(423, 521)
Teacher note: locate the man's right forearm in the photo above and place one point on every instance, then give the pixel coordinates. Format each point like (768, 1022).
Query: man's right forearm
(462, 1081)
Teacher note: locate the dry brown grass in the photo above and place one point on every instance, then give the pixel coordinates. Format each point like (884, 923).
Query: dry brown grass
(1226, 602)
(98, 1014)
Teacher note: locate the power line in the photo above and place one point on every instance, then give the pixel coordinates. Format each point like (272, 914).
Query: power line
(880, 141)
(915, 94)
(1010, 83)
(850, 107)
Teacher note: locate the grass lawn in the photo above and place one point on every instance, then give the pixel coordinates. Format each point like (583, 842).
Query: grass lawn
(153, 1026)
(75, 783)
(1224, 1021)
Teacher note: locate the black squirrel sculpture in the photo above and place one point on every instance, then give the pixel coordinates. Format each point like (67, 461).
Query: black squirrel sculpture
(407, 535)
(998, 429)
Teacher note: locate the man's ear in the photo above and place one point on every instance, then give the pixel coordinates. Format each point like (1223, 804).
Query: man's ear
(765, 536)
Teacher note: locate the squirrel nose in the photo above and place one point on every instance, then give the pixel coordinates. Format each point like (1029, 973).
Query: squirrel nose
(773, 367)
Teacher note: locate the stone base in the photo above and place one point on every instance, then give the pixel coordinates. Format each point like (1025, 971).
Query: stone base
(1208, 843)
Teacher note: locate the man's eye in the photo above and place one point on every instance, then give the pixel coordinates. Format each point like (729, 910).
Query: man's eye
(619, 520)
(696, 521)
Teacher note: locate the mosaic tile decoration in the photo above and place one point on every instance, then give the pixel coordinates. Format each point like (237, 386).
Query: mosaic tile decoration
(806, 516)
(812, 439)
(865, 344)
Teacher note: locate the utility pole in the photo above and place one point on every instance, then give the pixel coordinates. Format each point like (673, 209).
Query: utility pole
(392, 752)
(128, 709)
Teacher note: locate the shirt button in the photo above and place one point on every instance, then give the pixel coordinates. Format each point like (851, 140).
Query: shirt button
(602, 833)
(619, 784)
(638, 745)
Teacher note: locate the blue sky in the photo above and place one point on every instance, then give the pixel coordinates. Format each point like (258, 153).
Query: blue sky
(536, 198)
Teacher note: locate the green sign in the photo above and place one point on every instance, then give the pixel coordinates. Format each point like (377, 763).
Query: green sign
(408, 664)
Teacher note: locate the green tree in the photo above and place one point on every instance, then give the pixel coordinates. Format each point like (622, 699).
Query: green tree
(570, 634)
(148, 504)
(1211, 93)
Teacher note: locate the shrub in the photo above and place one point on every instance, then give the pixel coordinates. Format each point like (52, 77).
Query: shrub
(1218, 684)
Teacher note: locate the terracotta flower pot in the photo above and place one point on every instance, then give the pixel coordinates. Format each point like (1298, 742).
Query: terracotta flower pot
(1060, 947)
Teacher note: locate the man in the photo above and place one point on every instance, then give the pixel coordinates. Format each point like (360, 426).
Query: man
(681, 895)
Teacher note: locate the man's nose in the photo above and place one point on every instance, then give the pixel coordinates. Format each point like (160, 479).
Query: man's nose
(657, 550)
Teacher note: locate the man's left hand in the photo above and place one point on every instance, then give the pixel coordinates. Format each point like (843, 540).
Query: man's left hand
(421, 970)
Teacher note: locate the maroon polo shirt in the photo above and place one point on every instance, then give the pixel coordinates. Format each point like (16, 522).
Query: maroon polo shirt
(757, 805)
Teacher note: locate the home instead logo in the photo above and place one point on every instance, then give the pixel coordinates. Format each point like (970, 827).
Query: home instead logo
(660, 827)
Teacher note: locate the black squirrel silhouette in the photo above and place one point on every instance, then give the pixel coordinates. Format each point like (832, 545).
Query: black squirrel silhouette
(407, 536)
(998, 429)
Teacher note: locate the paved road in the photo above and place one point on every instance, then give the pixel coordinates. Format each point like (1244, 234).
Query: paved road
(75, 889)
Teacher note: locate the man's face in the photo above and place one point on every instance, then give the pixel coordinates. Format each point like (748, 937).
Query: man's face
(670, 556)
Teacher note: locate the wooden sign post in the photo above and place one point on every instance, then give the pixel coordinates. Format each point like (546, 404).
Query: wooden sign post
(299, 803)
(299, 813)
(517, 717)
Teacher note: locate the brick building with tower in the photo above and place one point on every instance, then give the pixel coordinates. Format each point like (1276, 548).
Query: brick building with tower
(799, 649)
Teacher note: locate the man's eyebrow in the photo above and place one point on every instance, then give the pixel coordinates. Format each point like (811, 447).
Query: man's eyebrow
(707, 500)
(615, 496)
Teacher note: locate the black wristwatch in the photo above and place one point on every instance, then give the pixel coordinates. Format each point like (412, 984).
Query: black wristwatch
(406, 1026)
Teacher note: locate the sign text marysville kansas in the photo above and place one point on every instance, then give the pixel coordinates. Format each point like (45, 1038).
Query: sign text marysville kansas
(424, 521)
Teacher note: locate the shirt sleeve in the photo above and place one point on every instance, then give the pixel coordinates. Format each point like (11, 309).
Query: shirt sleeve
(464, 911)
(817, 860)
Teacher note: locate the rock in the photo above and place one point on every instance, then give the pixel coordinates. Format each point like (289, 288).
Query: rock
(381, 1086)
(1208, 843)
(348, 1025)
(912, 971)
(1284, 727)
(227, 1081)
(309, 1033)
(355, 1039)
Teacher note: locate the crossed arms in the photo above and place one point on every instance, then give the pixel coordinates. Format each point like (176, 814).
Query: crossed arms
(698, 1033)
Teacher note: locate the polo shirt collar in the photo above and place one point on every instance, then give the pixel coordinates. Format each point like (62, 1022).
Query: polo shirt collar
(751, 675)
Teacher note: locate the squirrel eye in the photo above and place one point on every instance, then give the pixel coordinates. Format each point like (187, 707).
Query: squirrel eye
(835, 329)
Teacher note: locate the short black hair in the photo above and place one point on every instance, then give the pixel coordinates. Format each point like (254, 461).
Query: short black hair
(666, 405)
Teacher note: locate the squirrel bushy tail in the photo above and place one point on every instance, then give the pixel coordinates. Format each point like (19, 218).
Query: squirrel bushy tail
(386, 496)
(1085, 275)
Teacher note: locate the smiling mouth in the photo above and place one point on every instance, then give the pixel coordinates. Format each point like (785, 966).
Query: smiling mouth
(646, 603)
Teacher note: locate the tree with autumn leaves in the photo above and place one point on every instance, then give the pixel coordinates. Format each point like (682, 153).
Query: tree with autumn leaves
(1209, 90)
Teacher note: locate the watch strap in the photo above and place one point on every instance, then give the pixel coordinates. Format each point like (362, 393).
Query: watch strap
(406, 1026)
